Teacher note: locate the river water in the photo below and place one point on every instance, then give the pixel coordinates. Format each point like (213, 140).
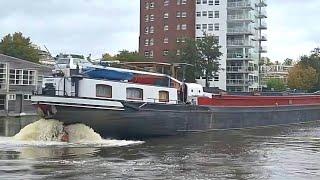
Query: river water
(291, 152)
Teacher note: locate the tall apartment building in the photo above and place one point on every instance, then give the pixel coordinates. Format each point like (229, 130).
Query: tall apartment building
(237, 24)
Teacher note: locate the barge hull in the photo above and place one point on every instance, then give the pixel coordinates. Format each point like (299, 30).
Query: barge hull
(153, 120)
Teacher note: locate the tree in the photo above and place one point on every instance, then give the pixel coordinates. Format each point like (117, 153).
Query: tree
(288, 62)
(312, 61)
(127, 56)
(18, 46)
(204, 55)
(209, 52)
(107, 57)
(302, 78)
(190, 55)
(275, 85)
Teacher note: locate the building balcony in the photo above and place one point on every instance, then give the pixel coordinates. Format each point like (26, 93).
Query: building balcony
(237, 82)
(240, 17)
(239, 56)
(263, 37)
(261, 14)
(240, 5)
(239, 43)
(261, 3)
(262, 25)
(263, 49)
(240, 69)
(234, 31)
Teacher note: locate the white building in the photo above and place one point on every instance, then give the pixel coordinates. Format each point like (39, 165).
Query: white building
(238, 25)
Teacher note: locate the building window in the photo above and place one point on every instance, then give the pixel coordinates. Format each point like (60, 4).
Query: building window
(178, 14)
(216, 27)
(178, 52)
(198, 26)
(184, 27)
(151, 5)
(166, 15)
(40, 80)
(210, 14)
(2, 102)
(11, 97)
(166, 27)
(178, 27)
(147, 5)
(134, 94)
(216, 14)
(163, 96)
(151, 54)
(146, 42)
(210, 2)
(151, 42)
(178, 2)
(3, 75)
(166, 40)
(204, 26)
(184, 2)
(166, 2)
(198, 14)
(146, 17)
(216, 78)
(22, 77)
(152, 17)
(198, 1)
(210, 27)
(103, 90)
(184, 14)
(204, 1)
(216, 2)
(27, 97)
(204, 13)
(165, 52)
(146, 54)
(151, 30)
(146, 30)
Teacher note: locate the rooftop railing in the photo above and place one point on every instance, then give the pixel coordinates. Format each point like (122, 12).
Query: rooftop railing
(240, 4)
(240, 17)
(238, 42)
(239, 56)
(240, 30)
(240, 69)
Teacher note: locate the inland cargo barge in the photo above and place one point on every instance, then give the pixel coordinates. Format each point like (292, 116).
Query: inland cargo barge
(122, 103)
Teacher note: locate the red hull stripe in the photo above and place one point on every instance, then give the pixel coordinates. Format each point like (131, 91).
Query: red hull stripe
(258, 100)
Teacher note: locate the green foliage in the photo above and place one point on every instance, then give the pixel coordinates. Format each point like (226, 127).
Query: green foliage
(190, 55)
(127, 56)
(276, 85)
(204, 55)
(288, 62)
(312, 61)
(107, 57)
(302, 78)
(18, 46)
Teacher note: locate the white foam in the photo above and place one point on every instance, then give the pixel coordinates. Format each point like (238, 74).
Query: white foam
(44, 133)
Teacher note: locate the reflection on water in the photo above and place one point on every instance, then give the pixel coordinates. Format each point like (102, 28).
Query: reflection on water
(266, 153)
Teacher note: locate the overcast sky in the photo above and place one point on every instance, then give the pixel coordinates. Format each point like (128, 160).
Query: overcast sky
(98, 26)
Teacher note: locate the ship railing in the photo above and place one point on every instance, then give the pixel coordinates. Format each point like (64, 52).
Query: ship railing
(54, 93)
(162, 100)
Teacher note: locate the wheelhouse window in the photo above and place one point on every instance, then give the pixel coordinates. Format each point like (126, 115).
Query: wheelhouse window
(103, 90)
(163, 96)
(134, 93)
